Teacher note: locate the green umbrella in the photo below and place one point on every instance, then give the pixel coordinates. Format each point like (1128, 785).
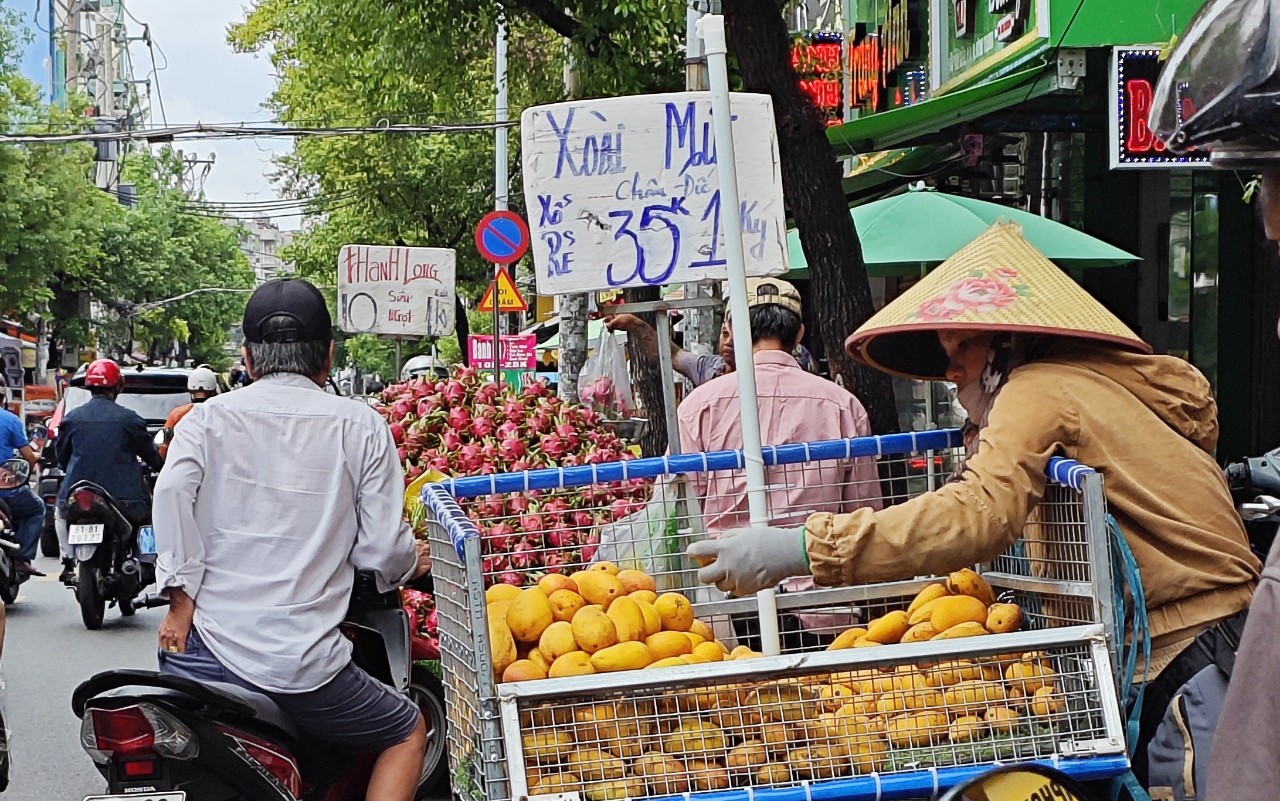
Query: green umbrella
(924, 227)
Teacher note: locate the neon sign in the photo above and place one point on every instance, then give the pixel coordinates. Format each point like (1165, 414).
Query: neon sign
(819, 63)
(875, 58)
(1133, 144)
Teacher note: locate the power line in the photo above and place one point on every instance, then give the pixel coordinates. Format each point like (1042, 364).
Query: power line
(203, 131)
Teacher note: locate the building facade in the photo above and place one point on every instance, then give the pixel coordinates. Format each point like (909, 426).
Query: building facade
(261, 240)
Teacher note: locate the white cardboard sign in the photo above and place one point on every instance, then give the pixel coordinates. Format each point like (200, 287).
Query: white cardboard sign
(623, 191)
(397, 291)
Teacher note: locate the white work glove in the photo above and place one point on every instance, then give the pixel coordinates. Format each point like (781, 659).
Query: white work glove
(746, 560)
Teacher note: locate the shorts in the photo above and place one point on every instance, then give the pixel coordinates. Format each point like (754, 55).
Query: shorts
(353, 709)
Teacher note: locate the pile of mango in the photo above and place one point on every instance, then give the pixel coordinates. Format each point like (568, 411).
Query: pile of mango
(963, 606)
(778, 732)
(598, 620)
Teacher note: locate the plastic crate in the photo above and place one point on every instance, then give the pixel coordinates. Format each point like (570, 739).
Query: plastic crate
(1059, 572)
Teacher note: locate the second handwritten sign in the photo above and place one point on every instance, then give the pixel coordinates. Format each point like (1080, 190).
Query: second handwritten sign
(623, 191)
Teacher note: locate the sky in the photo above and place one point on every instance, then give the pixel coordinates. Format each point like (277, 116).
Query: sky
(205, 81)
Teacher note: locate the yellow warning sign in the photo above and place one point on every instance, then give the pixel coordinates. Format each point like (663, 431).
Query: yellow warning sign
(509, 298)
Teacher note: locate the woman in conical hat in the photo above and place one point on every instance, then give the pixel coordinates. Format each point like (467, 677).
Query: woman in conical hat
(1043, 370)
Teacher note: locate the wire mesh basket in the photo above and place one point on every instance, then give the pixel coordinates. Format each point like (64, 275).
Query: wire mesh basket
(507, 741)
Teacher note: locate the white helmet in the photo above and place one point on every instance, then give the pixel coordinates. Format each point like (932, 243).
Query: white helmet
(202, 379)
(424, 365)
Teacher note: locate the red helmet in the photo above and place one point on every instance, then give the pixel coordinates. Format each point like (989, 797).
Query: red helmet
(103, 373)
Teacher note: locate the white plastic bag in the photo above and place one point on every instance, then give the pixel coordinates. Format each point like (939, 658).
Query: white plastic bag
(604, 383)
(650, 539)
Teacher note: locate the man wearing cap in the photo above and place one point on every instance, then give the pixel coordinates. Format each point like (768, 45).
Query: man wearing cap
(795, 406)
(271, 499)
(1043, 370)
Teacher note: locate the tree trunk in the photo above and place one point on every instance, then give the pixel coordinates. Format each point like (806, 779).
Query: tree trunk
(811, 182)
(461, 327)
(646, 380)
(573, 343)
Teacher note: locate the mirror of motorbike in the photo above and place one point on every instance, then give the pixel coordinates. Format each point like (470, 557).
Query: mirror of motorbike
(37, 433)
(14, 473)
(159, 438)
(1020, 783)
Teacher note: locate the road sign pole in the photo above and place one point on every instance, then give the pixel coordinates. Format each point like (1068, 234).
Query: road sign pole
(497, 329)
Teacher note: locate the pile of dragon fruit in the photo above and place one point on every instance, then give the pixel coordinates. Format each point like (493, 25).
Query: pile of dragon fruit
(466, 425)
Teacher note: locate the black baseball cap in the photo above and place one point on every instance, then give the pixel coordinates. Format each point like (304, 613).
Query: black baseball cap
(295, 299)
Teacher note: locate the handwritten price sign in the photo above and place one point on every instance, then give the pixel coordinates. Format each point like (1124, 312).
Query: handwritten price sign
(397, 291)
(623, 191)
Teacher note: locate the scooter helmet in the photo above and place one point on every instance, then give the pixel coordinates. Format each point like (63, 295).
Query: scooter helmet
(1220, 89)
(202, 379)
(103, 373)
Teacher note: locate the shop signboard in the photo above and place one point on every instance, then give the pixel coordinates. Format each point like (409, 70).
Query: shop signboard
(975, 38)
(818, 59)
(1134, 146)
(624, 191)
(398, 292)
(884, 59)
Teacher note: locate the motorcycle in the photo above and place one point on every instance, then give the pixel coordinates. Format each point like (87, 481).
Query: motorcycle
(115, 559)
(13, 474)
(1261, 514)
(179, 740)
(1028, 782)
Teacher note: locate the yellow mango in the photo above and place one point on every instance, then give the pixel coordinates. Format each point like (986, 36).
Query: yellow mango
(920, 632)
(966, 629)
(594, 630)
(1004, 618)
(773, 773)
(675, 610)
(599, 587)
(967, 728)
(670, 661)
(1002, 719)
(1046, 702)
(709, 651)
(614, 789)
(523, 670)
(644, 595)
(930, 593)
(577, 663)
(695, 737)
(565, 604)
(967, 582)
(547, 747)
(745, 759)
(536, 657)
(702, 629)
(529, 615)
(557, 641)
(501, 592)
(915, 731)
(889, 628)
(652, 620)
(662, 774)
(502, 646)
(594, 765)
(666, 644)
(628, 655)
(846, 639)
(555, 783)
(924, 611)
(955, 609)
(954, 672)
(968, 694)
(627, 619)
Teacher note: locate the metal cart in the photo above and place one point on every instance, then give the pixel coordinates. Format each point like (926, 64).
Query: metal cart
(895, 721)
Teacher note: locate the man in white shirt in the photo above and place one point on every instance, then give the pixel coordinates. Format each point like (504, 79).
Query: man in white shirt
(270, 500)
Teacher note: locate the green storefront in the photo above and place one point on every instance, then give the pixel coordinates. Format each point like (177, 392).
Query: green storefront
(1041, 104)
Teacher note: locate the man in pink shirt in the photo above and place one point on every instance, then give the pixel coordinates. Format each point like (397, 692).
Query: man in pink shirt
(795, 406)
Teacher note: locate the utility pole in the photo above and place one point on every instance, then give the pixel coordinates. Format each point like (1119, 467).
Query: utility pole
(573, 309)
(501, 180)
(71, 34)
(700, 330)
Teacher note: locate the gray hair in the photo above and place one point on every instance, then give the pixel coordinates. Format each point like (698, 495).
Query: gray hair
(309, 358)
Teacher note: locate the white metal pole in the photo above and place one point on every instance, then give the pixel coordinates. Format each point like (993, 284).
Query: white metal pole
(500, 179)
(711, 27)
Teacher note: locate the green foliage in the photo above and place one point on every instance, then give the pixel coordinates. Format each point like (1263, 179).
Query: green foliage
(431, 61)
(61, 236)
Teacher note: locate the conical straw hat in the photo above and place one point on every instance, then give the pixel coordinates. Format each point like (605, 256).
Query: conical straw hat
(998, 282)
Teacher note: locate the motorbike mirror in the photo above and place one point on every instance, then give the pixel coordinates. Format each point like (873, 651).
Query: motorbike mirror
(159, 438)
(1019, 783)
(37, 433)
(14, 473)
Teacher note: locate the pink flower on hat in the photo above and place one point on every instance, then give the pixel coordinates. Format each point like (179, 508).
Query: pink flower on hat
(1005, 273)
(982, 295)
(937, 309)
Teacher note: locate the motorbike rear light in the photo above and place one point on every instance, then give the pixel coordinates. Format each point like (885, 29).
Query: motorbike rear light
(270, 760)
(140, 730)
(920, 462)
(141, 768)
(84, 499)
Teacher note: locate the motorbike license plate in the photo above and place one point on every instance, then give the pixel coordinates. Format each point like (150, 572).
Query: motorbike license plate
(177, 795)
(85, 533)
(147, 541)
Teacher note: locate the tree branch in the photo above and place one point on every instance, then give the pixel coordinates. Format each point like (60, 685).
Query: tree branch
(558, 20)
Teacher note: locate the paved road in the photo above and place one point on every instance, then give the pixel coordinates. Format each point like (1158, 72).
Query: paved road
(47, 652)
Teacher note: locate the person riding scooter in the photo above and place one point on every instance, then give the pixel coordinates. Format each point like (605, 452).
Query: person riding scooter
(27, 508)
(102, 442)
(202, 383)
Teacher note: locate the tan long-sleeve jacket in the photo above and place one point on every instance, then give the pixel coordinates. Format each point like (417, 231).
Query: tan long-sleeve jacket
(1147, 423)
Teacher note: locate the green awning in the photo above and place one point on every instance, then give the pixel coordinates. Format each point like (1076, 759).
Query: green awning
(901, 125)
(594, 327)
